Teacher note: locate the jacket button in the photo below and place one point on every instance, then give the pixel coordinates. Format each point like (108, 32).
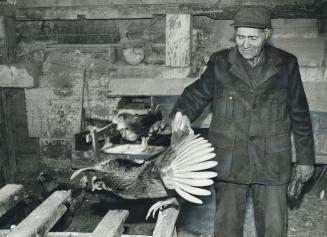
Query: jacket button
(252, 138)
(230, 97)
(251, 91)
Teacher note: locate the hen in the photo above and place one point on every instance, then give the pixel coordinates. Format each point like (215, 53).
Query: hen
(183, 168)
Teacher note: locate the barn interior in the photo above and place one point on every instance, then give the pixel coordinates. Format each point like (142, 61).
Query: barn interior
(68, 65)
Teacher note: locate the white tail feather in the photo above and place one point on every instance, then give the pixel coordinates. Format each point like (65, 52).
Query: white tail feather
(194, 182)
(198, 175)
(193, 190)
(188, 196)
(199, 166)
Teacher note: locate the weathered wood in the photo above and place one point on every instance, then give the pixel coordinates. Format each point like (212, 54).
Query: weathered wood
(7, 143)
(126, 9)
(63, 3)
(178, 40)
(10, 195)
(165, 226)
(148, 87)
(112, 224)
(12, 76)
(43, 218)
(7, 9)
(4, 233)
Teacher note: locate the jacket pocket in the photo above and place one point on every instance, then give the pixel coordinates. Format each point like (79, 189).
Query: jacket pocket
(230, 106)
(224, 146)
(277, 160)
(273, 106)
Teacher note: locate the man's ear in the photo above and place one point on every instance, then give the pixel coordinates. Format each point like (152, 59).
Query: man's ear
(268, 33)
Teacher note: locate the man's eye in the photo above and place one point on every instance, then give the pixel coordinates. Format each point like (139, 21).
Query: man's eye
(240, 37)
(253, 38)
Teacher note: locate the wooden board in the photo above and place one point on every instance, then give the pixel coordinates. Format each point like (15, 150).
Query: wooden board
(145, 9)
(10, 195)
(44, 217)
(65, 3)
(165, 226)
(178, 40)
(111, 224)
(148, 87)
(4, 233)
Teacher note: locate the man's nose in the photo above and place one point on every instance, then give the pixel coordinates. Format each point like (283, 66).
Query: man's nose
(246, 44)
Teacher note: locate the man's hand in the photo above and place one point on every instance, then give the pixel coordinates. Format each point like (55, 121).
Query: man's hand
(181, 122)
(302, 174)
(162, 127)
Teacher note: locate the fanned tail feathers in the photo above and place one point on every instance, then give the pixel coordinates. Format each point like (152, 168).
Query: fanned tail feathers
(188, 172)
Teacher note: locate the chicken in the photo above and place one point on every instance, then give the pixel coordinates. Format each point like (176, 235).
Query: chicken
(183, 169)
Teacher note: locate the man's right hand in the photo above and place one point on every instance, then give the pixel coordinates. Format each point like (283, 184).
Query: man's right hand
(162, 127)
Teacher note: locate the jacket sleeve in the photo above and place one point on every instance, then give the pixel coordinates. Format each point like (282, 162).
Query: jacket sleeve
(300, 118)
(196, 96)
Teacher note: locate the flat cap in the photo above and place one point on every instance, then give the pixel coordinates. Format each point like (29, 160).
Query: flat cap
(254, 17)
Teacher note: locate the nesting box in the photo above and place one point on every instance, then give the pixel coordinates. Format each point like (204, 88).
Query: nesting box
(7, 33)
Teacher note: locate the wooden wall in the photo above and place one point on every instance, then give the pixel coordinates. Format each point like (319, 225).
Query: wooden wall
(82, 46)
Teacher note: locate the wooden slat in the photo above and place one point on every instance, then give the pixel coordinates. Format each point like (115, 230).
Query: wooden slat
(44, 217)
(10, 195)
(178, 40)
(165, 226)
(112, 224)
(7, 9)
(316, 95)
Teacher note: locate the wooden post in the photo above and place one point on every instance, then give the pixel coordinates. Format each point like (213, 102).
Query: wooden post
(178, 40)
(44, 217)
(165, 226)
(111, 225)
(10, 195)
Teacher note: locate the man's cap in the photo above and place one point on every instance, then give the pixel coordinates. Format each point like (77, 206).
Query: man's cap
(254, 17)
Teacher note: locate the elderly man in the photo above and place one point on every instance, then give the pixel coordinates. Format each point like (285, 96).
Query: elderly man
(257, 100)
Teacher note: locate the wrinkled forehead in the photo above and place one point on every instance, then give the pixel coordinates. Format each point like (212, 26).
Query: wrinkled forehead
(247, 31)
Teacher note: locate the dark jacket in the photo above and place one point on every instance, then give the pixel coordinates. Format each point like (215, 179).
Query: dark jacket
(251, 124)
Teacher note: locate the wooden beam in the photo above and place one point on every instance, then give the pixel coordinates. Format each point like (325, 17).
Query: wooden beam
(178, 40)
(44, 217)
(148, 87)
(10, 195)
(70, 3)
(165, 226)
(114, 9)
(112, 224)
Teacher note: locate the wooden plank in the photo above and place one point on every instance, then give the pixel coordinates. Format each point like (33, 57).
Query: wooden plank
(44, 217)
(4, 233)
(13, 76)
(148, 87)
(112, 224)
(222, 10)
(10, 195)
(178, 40)
(165, 226)
(68, 3)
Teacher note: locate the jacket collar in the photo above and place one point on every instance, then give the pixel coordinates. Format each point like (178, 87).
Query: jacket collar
(270, 59)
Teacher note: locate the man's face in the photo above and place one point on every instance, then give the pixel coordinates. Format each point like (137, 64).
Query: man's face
(250, 41)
